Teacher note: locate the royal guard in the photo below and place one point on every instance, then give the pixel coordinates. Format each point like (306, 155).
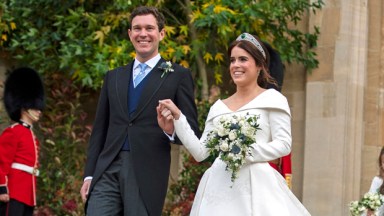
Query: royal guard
(19, 147)
(276, 69)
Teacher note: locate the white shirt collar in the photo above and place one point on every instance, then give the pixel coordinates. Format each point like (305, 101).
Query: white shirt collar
(151, 62)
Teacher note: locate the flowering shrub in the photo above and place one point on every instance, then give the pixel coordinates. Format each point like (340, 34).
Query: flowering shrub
(63, 136)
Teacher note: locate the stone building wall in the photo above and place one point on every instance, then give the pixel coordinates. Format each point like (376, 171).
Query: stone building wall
(344, 106)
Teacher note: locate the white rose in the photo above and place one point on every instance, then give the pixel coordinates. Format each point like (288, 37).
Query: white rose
(224, 146)
(221, 131)
(249, 131)
(230, 156)
(232, 135)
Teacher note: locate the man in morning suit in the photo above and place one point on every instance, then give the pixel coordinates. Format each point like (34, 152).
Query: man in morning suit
(128, 158)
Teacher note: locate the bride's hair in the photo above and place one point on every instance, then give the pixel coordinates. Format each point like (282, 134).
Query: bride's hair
(264, 79)
(381, 170)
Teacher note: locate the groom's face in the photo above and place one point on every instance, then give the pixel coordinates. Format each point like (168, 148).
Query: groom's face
(145, 36)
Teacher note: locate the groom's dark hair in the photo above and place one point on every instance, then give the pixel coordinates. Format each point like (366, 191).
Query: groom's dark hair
(145, 10)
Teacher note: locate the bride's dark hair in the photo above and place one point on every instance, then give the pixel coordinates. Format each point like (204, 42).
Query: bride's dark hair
(381, 172)
(264, 79)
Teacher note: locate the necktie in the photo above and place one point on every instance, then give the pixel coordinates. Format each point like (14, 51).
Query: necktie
(141, 75)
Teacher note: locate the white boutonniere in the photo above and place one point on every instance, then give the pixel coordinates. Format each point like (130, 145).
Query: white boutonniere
(166, 67)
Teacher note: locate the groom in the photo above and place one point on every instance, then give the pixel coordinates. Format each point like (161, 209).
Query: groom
(128, 157)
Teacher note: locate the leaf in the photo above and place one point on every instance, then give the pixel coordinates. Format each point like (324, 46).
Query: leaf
(13, 25)
(132, 54)
(208, 57)
(219, 57)
(186, 49)
(218, 78)
(170, 30)
(99, 35)
(184, 30)
(171, 50)
(184, 63)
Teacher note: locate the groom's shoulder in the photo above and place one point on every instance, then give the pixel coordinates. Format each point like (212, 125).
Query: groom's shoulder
(121, 68)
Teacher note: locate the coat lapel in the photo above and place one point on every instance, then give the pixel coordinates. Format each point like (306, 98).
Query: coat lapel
(152, 85)
(122, 84)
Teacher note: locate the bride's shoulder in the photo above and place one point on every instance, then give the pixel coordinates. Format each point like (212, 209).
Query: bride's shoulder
(272, 99)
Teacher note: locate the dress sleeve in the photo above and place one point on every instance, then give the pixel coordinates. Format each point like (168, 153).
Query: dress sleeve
(185, 100)
(8, 147)
(192, 143)
(375, 185)
(280, 123)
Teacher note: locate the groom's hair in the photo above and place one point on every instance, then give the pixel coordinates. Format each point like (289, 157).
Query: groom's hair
(145, 10)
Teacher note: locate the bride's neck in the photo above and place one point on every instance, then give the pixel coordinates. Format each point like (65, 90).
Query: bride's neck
(248, 92)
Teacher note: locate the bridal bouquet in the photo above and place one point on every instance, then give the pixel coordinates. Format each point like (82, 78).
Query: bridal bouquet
(232, 138)
(371, 201)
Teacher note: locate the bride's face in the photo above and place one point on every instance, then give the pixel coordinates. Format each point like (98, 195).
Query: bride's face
(243, 67)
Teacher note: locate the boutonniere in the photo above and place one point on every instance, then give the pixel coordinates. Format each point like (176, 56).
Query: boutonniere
(166, 67)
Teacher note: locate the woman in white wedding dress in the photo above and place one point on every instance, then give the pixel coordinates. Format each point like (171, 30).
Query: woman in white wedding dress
(377, 186)
(259, 190)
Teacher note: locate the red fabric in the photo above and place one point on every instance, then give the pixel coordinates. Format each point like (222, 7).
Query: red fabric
(284, 167)
(17, 145)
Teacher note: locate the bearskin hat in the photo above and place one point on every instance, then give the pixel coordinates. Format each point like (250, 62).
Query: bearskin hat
(276, 67)
(23, 89)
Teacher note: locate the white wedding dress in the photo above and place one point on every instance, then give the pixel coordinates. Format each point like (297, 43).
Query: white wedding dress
(375, 186)
(259, 189)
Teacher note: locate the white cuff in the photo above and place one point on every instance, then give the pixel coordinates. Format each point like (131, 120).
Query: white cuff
(171, 138)
(88, 178)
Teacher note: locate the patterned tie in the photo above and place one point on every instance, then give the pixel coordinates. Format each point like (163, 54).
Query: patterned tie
(139, 77)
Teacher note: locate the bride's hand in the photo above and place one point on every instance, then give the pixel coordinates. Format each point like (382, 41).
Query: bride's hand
(165, 119)
(169, 109)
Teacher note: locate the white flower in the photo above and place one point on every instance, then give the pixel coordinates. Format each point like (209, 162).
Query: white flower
(371, 201)
(228, 142)
(232, 135)
(221, 131)
(248, 131)
(224, 146)
(166, 67)
(231, 156)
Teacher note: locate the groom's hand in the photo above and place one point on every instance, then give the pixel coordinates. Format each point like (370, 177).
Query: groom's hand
(165, 119)
(85, 189)
(169, 109)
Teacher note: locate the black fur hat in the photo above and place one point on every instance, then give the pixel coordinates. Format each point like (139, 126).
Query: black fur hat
(23, 90)
(276, 67)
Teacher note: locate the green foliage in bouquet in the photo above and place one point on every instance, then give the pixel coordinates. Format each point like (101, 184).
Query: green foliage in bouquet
(370, 201)
(232, 140)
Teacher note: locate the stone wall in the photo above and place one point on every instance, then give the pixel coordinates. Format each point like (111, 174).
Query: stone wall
(344, 106)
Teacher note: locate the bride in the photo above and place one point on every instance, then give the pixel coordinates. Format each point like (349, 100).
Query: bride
(258, 189)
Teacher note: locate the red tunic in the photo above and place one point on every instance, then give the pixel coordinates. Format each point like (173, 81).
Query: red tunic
(18, 144)
(284, 168)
